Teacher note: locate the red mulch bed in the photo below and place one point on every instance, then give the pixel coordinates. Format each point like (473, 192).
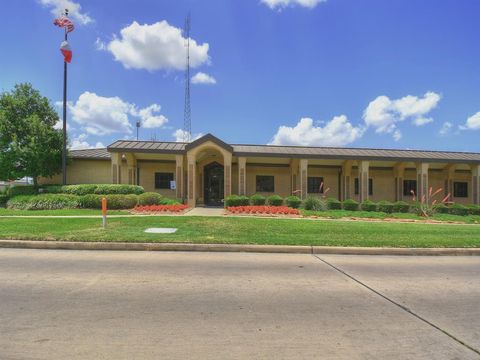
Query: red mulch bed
(153, 209)
(262, 210)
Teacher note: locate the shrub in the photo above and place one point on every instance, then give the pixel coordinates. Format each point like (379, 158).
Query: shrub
(21, 190)
(257, 199)
(334, 204)
(458, 209)
(350, 205)
(271, 210)
(385, 206)
(314, 203)
(43, 202)
(82, 189)
(441, 209)
(167, 201)
(401, 207)
(368, 205)
(244, 200)
(160, 208)
(149, 198)
(114, 201)
(51, 189)
(106, 189)
(275, 200)
(293, 201)
(474, 209)
(3, 200)
(232, 200)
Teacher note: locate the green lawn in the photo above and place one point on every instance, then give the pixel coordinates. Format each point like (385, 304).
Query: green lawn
(338, 214)
(238, 230)
(9, 212)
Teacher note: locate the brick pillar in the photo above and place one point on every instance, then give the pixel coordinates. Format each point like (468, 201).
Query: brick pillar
(303, 172)
(363, 180)
(346, 180)
(242, 176)
(179, 176)
(422, 181)
(116, 168)
(227, 175)
(449, 173)
(191, 181)
(294, 185)
(476, 184)
(399, 174)
(131, 169)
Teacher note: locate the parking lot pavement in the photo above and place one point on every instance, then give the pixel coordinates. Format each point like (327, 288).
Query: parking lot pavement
(151, 305)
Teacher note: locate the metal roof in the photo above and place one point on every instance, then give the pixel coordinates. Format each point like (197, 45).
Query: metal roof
(164, 147)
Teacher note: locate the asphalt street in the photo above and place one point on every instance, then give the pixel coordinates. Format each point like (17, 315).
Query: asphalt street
(60, 304)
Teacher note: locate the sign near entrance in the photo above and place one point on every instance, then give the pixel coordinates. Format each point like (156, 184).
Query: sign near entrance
(173, 185)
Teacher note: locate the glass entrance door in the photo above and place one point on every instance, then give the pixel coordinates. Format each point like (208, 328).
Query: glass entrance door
(213, 184)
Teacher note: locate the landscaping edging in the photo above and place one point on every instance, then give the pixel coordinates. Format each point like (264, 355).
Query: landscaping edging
(79, 245)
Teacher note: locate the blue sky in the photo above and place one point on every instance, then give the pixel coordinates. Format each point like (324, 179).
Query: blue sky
(371, 73)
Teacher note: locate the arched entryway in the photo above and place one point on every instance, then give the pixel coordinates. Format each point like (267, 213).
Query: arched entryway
(213, 184)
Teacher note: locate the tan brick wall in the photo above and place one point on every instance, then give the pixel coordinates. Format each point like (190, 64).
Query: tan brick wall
(147, 176)
(383, 185)
(84, 172)
(330, 179)
(281, 178)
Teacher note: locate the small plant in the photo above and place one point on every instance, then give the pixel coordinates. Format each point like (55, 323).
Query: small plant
(333, 204)
(369, 205)
(22, 190)
(275, 200)
(458, 209)
(257, 199)
(401, 207)
(243, 200)
(269, 210)
(232, 200)
(3, 200)
(315, 204)
(149, 198)
(351, 205)
(293, 201)
(386, 207)
(426, 206)
(441, 209)
(474, 209)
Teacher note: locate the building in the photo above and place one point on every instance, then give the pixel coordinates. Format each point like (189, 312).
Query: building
(208, 169)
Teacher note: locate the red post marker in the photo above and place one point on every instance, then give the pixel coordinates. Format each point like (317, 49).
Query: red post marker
(104, 212)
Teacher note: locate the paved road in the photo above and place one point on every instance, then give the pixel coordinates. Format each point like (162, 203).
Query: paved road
(153, 305)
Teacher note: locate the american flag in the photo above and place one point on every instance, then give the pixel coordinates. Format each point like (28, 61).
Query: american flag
(64, 22)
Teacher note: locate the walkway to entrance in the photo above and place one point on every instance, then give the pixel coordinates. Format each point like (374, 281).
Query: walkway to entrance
(206, 211)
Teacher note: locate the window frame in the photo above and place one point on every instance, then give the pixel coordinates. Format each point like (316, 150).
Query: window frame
(264, 177)
(456, 190)
(316, 188)
(166, 183)
(408, 193)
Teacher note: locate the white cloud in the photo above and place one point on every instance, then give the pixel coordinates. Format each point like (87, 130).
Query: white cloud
(80, 142)
(159, 46)
(445, 129)
(473, 123)
(337, 132)
(273, 4)
(99, 115)
(202, 78)
(383, 114)
(100, 45)
(179, 135)
(74, 10)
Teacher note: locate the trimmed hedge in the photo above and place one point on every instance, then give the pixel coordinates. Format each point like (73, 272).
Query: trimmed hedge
(21, 190)
(149, 198)
(401, 207)
(293, 201)
(474, 209)
(368, 205)
(385, 206)
(114, 201)
(458, 209)
(102, 189)
(275, 200)
(314, 203)
(43, 202)
(82, 189)
(333, 204)
(351, 205)
(51, 189)
(257, 199)
(3, 200)
(235, 200)
(441, 209)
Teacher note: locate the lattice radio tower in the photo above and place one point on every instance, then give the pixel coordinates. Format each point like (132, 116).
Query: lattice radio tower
(187, 115)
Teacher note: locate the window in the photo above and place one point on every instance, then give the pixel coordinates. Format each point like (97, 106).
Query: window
(265, 183)
(162, 180)
(314, 184)
(409, 186)
(370, 186)
(460, 189)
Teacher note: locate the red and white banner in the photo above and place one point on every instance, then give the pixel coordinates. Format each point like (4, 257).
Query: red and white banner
(66, 51)
(64, 22)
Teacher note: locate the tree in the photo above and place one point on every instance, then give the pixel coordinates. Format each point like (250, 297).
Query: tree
(29, 143)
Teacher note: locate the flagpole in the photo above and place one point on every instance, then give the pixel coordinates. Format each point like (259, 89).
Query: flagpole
(64, 149)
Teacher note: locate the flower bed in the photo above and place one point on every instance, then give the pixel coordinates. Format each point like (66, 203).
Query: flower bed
(177, 208)
(266, 210)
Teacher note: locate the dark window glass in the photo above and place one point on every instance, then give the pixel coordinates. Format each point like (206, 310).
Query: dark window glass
(314, 184)
(409, 186)
(370, 186)
(265, 183)
(162, 180)
(460, 189)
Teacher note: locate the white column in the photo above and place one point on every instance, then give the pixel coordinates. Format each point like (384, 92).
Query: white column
(422, 181)
(191, 181)
(303, 167)
(116, 168)
(179, 176)
(242, 176)
(363, 180)
(399, 174)
(346, 180)
(227, 175)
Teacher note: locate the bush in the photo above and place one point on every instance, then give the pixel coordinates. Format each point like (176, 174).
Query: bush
(474, 210)
(114, 201)
(458, 209)
(385, 206)
(401, 207)
(51, 189)
(149, 198)
(43, 202)
(21, 190)
(3, 200)
(441, 209)
(334, 204)
(368, 205)
(106, 189)
(350, 205)
(232, 200)
(167, 201)
(275, 200)
(314, 203)
(82, 189)
(257, 199)
(293, 201)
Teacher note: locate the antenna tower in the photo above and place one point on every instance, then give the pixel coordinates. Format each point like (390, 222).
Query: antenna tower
(187, 116)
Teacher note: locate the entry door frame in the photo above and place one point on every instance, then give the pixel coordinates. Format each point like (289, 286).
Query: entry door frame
(207, 172)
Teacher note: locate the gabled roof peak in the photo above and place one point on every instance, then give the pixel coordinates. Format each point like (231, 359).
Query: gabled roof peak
(209, 137)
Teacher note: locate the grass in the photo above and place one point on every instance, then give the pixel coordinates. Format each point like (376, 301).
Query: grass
(338, 214)
(64, 212)
(236, 230)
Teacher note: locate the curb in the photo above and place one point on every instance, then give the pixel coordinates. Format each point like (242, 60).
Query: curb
(283, 249)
